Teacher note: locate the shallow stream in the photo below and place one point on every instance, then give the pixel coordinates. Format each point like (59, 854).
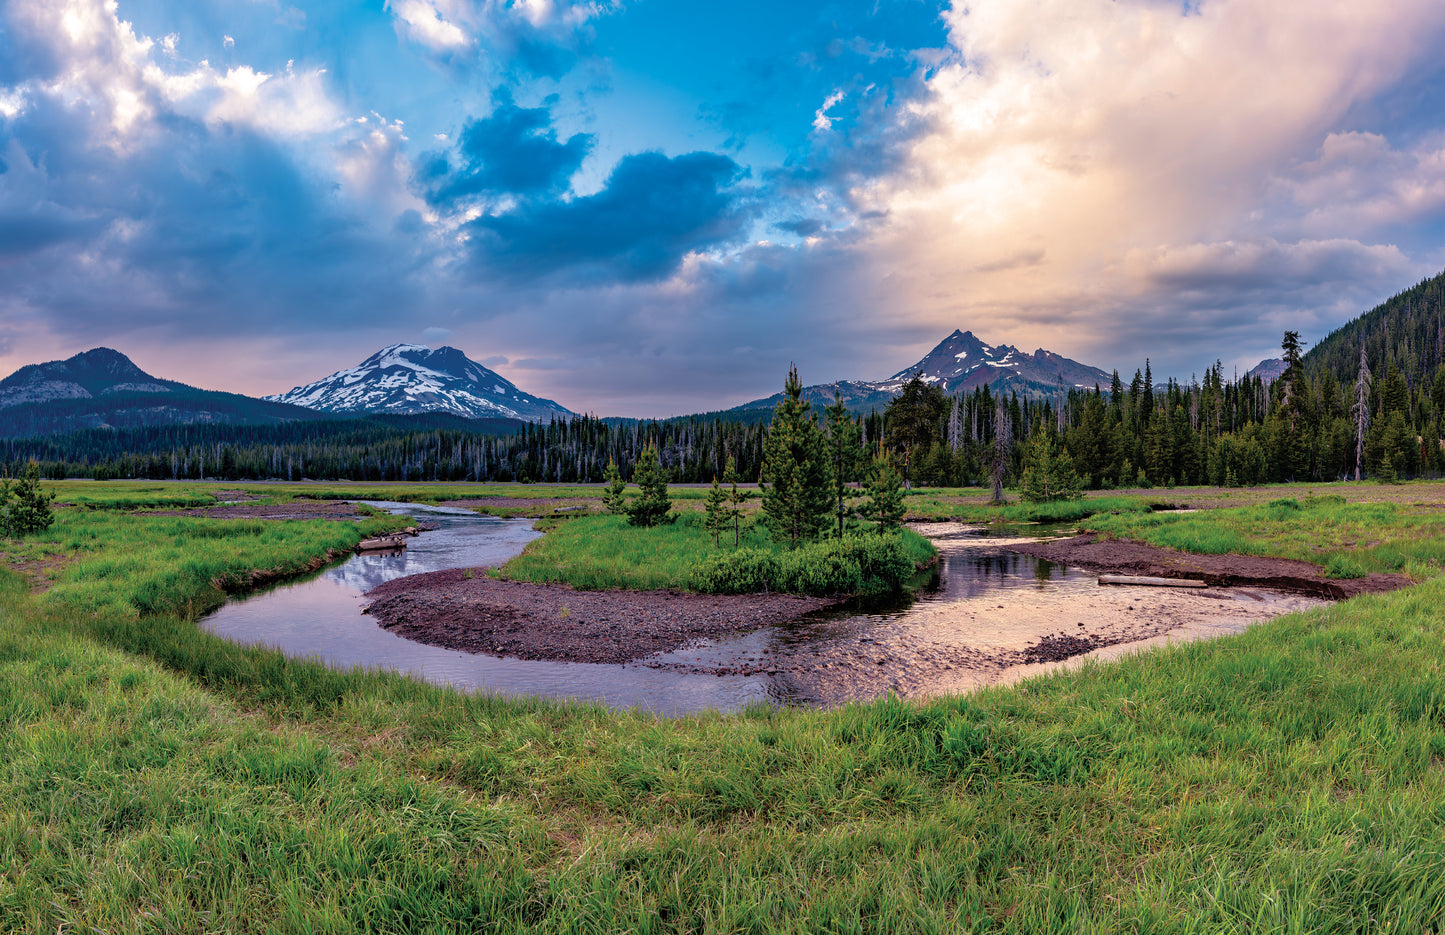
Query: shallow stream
(971, 625)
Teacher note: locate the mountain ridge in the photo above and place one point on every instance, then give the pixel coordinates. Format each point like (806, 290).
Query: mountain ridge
(960, 363)
(103, 388)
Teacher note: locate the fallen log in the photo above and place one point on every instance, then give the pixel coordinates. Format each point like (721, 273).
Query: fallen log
(381, 542)
(1145, 581)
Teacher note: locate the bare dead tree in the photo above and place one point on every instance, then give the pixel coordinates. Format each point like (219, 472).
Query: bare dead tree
(1361, 410)
(1002, 448)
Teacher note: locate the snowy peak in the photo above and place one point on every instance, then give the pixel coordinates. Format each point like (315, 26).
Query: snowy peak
(405, 379)
(964, 362)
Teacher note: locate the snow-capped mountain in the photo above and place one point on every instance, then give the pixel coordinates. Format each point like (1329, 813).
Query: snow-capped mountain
(405, 379)
(960, 364)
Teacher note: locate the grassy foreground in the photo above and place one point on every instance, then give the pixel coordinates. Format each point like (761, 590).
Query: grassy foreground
(154, 778)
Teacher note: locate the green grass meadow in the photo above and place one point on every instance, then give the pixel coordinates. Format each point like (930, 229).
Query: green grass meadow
(154, 778)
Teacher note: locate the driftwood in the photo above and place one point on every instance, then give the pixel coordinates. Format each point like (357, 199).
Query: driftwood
(381, 542)
(1146, 581)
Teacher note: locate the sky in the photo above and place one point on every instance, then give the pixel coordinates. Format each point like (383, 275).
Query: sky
(653, 207)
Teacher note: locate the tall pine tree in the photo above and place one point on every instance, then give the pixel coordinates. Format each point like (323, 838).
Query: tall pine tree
(845, 453)
(796, 480)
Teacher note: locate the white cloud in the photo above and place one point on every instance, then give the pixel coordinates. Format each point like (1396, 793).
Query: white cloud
(449, 26)
(821, 120)
(104, 68)
(425, 23)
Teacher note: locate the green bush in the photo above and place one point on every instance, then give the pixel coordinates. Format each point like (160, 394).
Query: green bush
(742, 571)
(868, 564)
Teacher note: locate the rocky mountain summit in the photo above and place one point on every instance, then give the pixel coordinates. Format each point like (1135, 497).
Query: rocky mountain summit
(405, 379)
(93, 373)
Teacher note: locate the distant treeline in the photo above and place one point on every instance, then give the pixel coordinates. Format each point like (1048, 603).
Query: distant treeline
(1313, 424)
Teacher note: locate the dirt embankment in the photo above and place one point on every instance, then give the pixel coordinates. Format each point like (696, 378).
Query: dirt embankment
(1127, 557)
(533, 621)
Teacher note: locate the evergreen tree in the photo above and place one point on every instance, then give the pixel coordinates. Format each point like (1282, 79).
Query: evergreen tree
(613, 497)
(845, 452)
(651, 506)
(911, 421)
(1048, 474)
(884, 491)
(715, 518)
(735, 498)
(796, 482)
(25, 507)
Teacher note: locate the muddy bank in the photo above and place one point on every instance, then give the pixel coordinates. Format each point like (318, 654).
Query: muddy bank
(534, 621)
(1123, 556)
(529, 506)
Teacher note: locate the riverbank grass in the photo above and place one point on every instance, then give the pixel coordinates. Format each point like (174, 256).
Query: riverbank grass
(134, 564)
(1349, 539)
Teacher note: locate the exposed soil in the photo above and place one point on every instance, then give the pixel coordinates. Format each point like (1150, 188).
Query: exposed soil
(530, 506)
(234, 496)
(296, 509)
(1124, 556)
(479, 614)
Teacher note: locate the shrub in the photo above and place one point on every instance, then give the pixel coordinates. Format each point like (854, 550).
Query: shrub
(742, 571)
(866, 564)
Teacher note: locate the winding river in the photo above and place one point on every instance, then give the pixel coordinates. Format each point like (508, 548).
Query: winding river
(972, 625)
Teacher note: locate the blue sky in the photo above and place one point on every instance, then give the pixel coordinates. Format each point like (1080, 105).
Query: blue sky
(649, 208)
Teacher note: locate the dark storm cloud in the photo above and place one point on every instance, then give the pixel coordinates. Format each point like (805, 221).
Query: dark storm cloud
(652, 212)
(515, 150)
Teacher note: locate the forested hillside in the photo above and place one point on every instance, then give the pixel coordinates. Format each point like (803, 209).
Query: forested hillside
(1406, 332)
